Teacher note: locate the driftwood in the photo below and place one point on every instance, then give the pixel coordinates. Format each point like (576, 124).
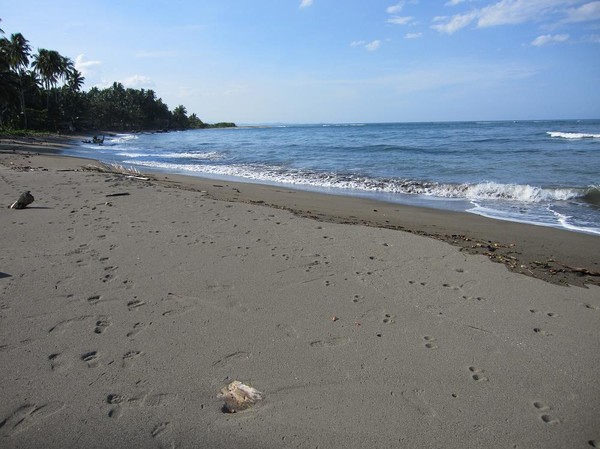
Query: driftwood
(118, 194)
(580, 270)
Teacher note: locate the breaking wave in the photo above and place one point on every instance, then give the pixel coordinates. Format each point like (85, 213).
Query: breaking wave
(479, 191)
(564, 135)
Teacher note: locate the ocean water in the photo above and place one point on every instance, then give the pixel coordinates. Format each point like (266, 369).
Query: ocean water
(540, 172)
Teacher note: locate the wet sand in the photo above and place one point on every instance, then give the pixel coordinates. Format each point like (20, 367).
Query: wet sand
(122, 316)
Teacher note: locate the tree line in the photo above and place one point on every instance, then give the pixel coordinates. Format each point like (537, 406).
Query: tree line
(43, 91)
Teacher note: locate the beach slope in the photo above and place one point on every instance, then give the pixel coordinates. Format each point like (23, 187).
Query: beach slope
(126, 304)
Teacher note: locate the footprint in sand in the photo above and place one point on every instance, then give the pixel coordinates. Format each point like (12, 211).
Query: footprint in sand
(545, 417)
(91, 358)
(430, 342)
(477, 374)
(26, 416)
(119, 402)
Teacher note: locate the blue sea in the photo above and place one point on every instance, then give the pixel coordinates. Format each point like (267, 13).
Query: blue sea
(545, 173)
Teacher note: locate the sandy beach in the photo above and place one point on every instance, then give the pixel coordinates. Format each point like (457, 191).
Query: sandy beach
(126, 304)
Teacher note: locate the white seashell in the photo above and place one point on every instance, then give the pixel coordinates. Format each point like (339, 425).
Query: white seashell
(238, 396)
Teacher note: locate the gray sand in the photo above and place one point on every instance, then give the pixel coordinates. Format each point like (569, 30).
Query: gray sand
(122, 317)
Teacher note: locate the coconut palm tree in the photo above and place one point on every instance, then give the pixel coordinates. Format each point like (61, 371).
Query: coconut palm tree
(17, 50)
(49, 65)
(75, 80)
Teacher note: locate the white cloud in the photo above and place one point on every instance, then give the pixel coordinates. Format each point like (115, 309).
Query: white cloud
(454, 2)
(413, 35)
(138, 81)
(85, 67)
(395, 9)
(398, 20)
(589, 11)
(372, 46)
(455, 23)
(512, 12)
(549, 39)
(306, 3)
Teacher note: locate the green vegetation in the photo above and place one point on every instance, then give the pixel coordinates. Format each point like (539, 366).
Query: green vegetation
(42, 91)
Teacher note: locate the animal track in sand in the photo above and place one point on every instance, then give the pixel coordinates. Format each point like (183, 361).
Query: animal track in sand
(591, 306)
(26, 416)
(62, 326)
(58, 362)
(474, 298)
(161, 429)
(430, 342)
(134, 304)
(358, 298)
(542, 332)
(388, 319)
(477, 374)
(129, 357)
(91, 358)
(232, 358)
(329, 342)
(137, 328)
(549, 314)
(102, 323)
(95, 299)
(546, 418)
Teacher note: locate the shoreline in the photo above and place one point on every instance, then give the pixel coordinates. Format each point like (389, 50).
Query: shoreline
(554, 255)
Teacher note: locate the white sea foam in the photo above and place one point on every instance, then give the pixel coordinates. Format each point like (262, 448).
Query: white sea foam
(481, 191)
(121, 138)
(564, 135)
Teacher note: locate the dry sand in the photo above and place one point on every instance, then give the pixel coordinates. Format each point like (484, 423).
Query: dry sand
(122, 317)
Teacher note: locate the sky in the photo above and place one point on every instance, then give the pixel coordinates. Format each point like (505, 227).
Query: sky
(333, 61)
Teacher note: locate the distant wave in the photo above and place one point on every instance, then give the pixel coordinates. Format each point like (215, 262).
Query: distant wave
(564, 135)
(121, 138)
(479, 191)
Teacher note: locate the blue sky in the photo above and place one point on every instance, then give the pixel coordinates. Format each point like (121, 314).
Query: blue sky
(306, 61)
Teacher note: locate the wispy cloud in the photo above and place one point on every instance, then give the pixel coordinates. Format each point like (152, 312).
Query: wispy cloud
(371, 46)
(413, 35)
(400, 20)
(512, 12)
(395, 9)
(306, 3)
(549, 39)
(589, 11)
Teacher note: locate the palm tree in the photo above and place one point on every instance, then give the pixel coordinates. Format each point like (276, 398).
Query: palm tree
(17, 50)
(75, 80)
(49, 65)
